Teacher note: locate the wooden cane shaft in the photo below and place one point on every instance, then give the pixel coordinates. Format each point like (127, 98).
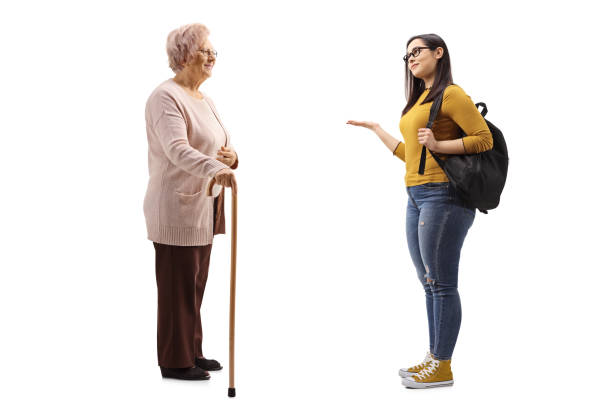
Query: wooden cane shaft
(233, 287)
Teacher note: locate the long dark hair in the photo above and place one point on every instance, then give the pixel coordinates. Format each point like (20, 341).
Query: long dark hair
(416, 86)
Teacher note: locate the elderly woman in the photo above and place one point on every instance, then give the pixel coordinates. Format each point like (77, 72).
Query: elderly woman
(188, 146)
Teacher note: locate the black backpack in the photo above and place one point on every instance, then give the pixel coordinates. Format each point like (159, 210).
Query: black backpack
(478, 178)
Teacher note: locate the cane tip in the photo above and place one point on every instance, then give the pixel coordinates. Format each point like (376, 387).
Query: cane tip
(231, 392)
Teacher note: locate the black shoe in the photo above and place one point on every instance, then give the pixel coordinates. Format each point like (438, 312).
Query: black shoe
(210, 365)
(190, 373)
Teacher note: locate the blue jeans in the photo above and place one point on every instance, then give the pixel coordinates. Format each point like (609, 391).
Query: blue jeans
(436, 225)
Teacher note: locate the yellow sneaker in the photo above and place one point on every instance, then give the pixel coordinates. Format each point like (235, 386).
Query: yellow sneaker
(410, 371)
(437, 374)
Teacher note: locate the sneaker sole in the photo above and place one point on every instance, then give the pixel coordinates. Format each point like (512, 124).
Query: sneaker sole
(405, 374)
(414, 384)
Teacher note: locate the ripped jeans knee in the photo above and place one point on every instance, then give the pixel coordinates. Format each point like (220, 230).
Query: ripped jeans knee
(428, 277)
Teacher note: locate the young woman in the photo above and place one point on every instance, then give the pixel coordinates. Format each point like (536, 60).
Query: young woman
(437, 220)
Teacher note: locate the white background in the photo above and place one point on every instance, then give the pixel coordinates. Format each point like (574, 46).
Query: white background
(329, 306)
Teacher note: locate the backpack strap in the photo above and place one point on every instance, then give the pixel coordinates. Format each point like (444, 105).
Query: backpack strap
(433, 113)
(484, 108)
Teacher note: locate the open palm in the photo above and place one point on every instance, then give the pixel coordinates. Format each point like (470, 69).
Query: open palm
(367, 125)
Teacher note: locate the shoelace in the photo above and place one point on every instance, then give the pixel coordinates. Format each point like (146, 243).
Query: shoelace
(426, 372)
(419, 366)
(423, 364)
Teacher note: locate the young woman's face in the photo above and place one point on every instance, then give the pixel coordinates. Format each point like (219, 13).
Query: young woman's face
(424, 64)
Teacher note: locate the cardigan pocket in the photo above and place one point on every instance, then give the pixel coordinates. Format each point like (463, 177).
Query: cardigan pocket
(189, 196)
(192, 210)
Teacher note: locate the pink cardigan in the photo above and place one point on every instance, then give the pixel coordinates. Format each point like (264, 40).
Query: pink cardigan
(184, 135)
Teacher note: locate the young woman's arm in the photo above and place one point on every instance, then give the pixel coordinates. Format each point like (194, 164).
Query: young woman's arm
(426, 137)
(465, 114)
(395, 146)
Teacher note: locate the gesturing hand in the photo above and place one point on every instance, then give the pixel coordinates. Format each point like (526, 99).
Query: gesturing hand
(426, 138)
(367, 125)
(226, 156)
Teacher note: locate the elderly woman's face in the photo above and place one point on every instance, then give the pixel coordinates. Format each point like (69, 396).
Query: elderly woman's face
(204, 59)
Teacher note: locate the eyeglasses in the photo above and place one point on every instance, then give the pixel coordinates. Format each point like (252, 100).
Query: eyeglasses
(210, 53)
(415, 52)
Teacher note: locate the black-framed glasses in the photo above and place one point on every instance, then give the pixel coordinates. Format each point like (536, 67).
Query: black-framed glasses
(415, 52)
(210, 53)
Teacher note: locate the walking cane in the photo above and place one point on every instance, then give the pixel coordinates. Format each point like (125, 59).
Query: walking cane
(231, 391)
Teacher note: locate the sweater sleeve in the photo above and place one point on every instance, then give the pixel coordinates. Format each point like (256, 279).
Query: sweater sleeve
(465, 114)
(171, 131)
(235, 165)
(400, 151)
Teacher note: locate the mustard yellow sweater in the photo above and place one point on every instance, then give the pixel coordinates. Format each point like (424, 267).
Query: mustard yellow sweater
(457, 112)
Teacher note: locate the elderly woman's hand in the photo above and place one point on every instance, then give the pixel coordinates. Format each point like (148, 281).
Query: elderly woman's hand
(226, 156)
(226, 178)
